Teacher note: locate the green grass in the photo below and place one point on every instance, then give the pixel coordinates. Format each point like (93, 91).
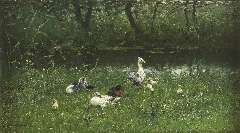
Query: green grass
(204, 106)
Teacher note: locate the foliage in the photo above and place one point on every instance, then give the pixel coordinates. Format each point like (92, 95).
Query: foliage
(38, 29)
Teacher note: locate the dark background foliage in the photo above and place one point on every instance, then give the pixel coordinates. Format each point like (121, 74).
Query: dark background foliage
(60, 30)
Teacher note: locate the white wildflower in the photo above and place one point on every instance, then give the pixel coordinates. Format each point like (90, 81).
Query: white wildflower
(179, 91)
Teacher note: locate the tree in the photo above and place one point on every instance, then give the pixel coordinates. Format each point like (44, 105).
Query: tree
(194, 12)
(154, 14)
(131, 19)
(83, 19)
(186, 10)
(5, 45)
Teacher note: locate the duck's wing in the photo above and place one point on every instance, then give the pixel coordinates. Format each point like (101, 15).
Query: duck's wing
(84, 85)
(70, 89)
(115, 100)
(135, 79)
(131, 75)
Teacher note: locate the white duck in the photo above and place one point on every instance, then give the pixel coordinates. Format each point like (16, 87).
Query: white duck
(138, 78)
(140, 68)
(112, 97)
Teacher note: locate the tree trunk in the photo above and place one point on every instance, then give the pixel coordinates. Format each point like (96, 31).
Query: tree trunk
(84, 19)
(186, 14)
(88, 15)
(194, 11)
(154, 15)
(128, 11)
(3, 47)
(78, 13)
(236, 24)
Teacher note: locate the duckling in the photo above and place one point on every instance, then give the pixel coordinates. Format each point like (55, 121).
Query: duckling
(138, 78)
(150, 84)
(55, 104)
(113, 95)
(80, 85)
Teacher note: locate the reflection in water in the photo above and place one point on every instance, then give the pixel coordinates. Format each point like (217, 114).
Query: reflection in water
(1, 63)
(155, 58)
(0, 69)
(4, 71)
(160, 58)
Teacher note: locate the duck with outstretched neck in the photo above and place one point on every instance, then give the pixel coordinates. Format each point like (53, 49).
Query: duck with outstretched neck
(138, 77)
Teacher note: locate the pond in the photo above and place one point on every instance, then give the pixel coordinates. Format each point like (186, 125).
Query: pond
(161, 57)
(154, 57)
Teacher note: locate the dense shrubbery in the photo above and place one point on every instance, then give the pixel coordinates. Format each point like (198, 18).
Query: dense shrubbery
(66, 28)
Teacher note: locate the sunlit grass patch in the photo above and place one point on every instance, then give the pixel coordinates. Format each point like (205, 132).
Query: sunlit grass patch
(204, 103)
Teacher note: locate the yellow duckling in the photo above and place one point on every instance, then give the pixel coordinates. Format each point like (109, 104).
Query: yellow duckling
(55, 104)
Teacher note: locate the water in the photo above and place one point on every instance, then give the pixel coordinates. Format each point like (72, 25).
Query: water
(1, 63)
(1, 69)
(153, 58)
(4, 66)
(160, 57)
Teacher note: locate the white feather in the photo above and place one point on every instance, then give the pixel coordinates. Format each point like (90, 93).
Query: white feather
(140, 75)
(99, 101)
(69, 89)
(103, 100)
(140, 71)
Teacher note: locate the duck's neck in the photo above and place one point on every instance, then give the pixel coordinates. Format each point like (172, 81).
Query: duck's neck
(140, 67)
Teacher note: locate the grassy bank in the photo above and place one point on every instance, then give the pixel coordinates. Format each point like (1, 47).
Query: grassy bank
(205, 105)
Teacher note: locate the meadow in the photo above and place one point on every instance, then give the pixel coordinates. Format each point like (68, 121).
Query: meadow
(204, 104)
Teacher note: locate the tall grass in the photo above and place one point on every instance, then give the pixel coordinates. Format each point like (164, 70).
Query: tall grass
(203, 106)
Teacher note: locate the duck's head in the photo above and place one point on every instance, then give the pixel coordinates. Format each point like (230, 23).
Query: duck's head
(54, 100)
(141, 60)
(116, 91)
(119, 91)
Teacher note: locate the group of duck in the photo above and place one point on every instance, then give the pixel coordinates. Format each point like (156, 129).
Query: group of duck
(115, 93)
